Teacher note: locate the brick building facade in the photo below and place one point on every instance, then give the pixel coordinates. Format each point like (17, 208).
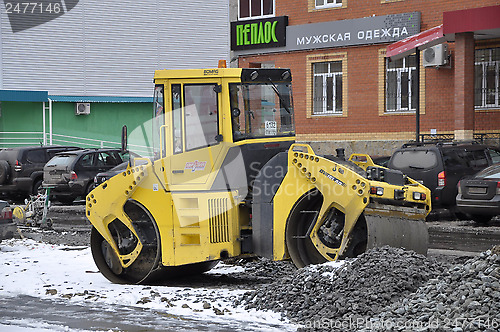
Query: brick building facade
(346, 91)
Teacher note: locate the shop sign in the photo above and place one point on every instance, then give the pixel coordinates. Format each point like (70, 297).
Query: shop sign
(361, 31)
(264, 33)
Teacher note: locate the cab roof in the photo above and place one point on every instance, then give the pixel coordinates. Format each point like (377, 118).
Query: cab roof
(197, 73)
(245, 74)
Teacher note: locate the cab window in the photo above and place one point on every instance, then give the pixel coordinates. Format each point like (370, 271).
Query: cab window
(200, 115)
(176, 118)
(261, 110)
(158, 121)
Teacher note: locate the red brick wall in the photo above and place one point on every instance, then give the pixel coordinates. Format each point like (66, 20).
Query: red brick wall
(464, 81)
(363, 80)
(432, 10)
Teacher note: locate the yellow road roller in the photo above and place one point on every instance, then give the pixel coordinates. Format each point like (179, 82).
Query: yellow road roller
(225, 178)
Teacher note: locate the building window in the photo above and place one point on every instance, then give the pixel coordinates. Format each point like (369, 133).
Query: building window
(251, 9)
(401, 84)
(487, 78)
(327, 88)
(328, 3)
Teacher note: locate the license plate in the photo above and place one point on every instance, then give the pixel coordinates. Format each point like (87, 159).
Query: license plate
(477, 190)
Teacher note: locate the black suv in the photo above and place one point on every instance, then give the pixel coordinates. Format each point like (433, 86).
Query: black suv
(21, 168)
(71, 174)
(439, 166)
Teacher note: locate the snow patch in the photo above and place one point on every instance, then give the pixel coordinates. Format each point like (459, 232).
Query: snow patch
(67, 273)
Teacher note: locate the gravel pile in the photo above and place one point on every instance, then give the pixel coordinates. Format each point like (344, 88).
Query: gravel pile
(266, 269)
(465, 297)
(389, 289)
(359, 288)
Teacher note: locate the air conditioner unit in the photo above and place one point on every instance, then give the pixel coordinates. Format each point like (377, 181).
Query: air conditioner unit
(436, 55)
(82, 109)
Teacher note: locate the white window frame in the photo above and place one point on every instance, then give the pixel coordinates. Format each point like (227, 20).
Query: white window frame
(399, 73)
(336, 3)
(250, 11)
(484, 64)
(325, 77)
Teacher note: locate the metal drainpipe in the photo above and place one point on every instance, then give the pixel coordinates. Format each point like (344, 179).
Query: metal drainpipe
(43, 124)
(417, 92)
(50, 121)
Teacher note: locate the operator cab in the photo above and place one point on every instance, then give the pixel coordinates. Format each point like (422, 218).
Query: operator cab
(258, 103)
(199, 113)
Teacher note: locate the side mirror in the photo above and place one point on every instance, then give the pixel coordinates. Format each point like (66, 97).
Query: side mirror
(124, 138)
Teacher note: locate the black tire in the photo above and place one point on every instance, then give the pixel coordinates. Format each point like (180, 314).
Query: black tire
(4, 171)
(37, 187)
(90, 187)
(481, 219)
(461, 216)
(147, 267)
(300, 247)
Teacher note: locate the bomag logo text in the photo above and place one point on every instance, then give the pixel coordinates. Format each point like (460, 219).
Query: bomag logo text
(211, 72)
(331, 177)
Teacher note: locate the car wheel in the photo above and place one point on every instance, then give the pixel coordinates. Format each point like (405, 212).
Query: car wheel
(481, 219)
(4, 171)
(461, 216)
(37, 187)
(90, 187)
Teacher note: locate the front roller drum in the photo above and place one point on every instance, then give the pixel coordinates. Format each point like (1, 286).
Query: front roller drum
(303, 217)
(371, 230)
(147, 266)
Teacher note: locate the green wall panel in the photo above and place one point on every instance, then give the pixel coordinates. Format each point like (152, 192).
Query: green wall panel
(104, 123)
(25, 117)
(20, 116)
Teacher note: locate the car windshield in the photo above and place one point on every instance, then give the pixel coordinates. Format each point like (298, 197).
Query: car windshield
(65, 159)
(492, 172)
(416, 159)
(261, 110)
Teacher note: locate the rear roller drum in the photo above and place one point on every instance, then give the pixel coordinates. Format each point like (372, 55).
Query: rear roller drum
(303, 217)
(143, 268)
(147, 266)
